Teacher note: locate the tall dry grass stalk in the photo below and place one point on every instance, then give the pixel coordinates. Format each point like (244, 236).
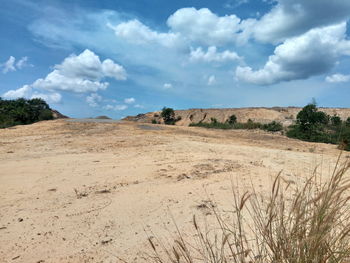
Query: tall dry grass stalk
(306, 223)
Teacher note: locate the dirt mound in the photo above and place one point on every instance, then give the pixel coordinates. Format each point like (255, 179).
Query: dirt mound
(103, 117)
(57, 115)
(285, 115)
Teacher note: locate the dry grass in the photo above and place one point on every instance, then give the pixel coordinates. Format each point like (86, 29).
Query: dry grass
(306, 223)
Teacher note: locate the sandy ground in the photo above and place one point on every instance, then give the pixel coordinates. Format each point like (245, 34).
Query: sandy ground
(86, 192)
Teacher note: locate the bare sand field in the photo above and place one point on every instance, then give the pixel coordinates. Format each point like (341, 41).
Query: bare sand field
(87, 192)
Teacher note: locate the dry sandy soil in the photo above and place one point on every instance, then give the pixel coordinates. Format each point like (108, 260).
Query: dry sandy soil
(87, 192)
(284, 115)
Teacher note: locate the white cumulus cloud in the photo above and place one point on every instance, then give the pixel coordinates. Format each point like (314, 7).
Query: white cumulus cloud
(49, 98)
(310, 54)
(9, 65)
(88, 66)
(77, 73)
(23, 92)
(81, 74)
(212, 55)
(23, 62)
(294, 17)
(57, 81)
(336, 78)
(27, 92)
(167, 86)
(93, 99)
(129, 100)
(205, 27)
(115, 107)
(136, 32)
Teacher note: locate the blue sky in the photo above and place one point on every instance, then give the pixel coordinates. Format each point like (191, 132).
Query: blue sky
(119, 58)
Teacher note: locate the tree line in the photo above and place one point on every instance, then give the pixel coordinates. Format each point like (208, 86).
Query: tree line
(23, 111)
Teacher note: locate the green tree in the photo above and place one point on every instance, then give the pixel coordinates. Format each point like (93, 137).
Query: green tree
(23, 111)
(273, 126)
(336, 121)
(168, 116)
(232, 119)
(310, 119)
(347, 122)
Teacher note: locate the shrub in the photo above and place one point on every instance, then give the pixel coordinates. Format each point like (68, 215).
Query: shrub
(232, 119)
(249, 125)
(309, 117)
(212, 125)
(168, 116)
(213, 120)
(273, 126)
(154, 121)
(347, 122)
(336, 121)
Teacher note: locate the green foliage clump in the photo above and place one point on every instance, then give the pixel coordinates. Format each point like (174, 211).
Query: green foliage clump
(214, 124)
(168, 116)
(273, 126)
(347, 122)
(23, 111)
(232, 119)
(336, 121)
(249, 125)
(315, 126)
(213, 120)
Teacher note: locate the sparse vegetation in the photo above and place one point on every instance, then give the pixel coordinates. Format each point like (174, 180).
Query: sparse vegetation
(168, 116)
(23, 111)
(232, 119)
(347, 122)
(311, 125)
(307, 223)
(273, 126)
(249, 125)
(213, 125)
(316, 126)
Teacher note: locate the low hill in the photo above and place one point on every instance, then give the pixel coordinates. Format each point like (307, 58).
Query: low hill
(285, 115)
(57, 115)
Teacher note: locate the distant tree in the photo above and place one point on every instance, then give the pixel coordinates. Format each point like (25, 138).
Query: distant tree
(213, 120)
(273, 126)
(232, 119)
(336, 121)
(168, 116)
(309, 118)
(347, 122)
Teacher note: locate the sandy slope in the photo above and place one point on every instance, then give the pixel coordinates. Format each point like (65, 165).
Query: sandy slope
(85, 192)
(284, 115)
